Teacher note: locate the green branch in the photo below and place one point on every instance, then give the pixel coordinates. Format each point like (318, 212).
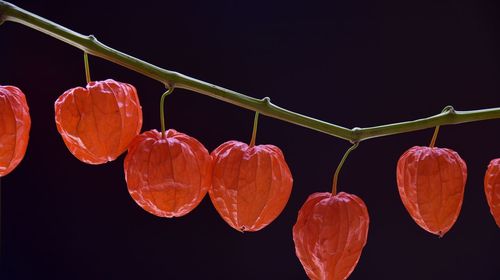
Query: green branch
(89, 44)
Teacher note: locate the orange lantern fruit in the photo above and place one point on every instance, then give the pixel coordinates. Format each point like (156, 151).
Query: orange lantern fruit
(492, 188)
(431, 183)
(15, 124)
(250, 184)
(167, 176)
(98, 122)
(330, 234)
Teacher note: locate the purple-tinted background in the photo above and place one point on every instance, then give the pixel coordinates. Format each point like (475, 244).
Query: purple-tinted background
(353, 63)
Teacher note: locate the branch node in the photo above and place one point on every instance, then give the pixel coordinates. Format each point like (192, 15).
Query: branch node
(449, 113)
(266, 100)
(356, 135)
(169, 85)
(92, 38)
(448, 109)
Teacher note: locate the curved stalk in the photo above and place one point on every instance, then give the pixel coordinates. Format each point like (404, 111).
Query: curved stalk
(162, 110)
(337, 171)
(89, 44)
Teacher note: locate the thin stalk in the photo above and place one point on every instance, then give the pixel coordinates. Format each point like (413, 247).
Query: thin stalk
(336, 175)
(89, 44)
(87, 68)
(254, 131)
(434, 137)
(162, 110)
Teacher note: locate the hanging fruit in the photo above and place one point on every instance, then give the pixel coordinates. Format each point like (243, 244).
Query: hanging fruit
(331, 231)
(15, 124)
(431, 183)
(492, 188)
(98, 122)
(167, 176)
(250, 184)
(330, 234)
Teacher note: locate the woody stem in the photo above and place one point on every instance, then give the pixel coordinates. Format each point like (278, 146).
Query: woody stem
(89, 44)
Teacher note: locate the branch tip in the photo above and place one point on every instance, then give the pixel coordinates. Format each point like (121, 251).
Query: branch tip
(3, 8)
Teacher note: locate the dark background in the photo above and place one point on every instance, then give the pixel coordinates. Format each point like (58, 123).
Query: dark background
(352, 63)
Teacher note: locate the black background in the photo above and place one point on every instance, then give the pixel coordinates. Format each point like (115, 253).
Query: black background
(353, 63)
